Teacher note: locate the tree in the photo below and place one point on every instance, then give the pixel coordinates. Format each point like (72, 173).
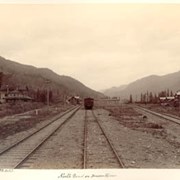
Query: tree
(50, 95)
(130, 99)
(37, 95)
(27, 88)
(155, 99)
(150, 97)
(147, 96)
(171, 93)
(142, 100)
(43, 96)
(162, 94)
(1, 78)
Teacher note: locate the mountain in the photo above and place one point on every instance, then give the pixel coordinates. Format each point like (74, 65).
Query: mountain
(114, 91)
(19, 75)
(153, 83)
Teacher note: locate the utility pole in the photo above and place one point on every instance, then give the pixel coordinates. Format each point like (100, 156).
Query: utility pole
(179, 103)
(48, 96)
(48, 82)
(7, 89)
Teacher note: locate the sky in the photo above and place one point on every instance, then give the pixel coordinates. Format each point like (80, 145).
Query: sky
(101, 45)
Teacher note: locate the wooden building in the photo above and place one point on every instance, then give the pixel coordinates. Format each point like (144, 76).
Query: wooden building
(18, 95)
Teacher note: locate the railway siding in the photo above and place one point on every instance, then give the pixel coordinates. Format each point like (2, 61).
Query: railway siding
(12, 138)
(63, 149)
(174, 119)
(152, 142)
(140, 148)
(12, 157)
(171, 128)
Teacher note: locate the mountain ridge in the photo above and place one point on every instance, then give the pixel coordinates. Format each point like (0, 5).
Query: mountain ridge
(151, 83)
(36, 78)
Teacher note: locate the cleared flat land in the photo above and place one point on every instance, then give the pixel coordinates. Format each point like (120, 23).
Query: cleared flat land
(150, 142)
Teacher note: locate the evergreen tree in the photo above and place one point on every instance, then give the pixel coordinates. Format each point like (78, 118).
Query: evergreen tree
(130, 99)
(171, 93)
(155, 99)
(43, 96)
(150, 97)
(38, 95)
(50, 95)
(141, 98)
(1, 78)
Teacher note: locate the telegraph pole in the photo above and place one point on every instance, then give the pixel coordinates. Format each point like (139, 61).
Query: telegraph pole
(48, 82)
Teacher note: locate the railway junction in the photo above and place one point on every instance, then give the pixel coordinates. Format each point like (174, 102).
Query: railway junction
(116, 136)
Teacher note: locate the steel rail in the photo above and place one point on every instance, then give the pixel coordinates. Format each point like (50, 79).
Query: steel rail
(21, 161)
(167, 117)
(28, 136)
(121, 164)
(46, 138)
(85, 142)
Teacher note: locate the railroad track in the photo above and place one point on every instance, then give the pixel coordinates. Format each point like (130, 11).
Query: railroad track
(15, 155)
(168, 117)
(85, 142)
(106, 155)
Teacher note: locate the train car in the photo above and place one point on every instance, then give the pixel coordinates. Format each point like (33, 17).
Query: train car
(88, 103)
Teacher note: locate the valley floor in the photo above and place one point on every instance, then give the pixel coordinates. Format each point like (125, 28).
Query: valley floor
(149, 142)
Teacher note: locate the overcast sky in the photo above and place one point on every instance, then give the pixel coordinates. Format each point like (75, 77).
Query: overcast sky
(101, 45)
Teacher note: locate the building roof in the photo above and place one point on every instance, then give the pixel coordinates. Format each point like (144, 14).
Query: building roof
(170, 97)
(167, 98)
(74, 97)
(14, 92)
(18, 98)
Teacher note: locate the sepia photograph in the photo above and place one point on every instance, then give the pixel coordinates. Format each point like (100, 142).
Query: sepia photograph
(89, 86)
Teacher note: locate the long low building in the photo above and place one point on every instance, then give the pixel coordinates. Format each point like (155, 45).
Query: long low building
(13, 96)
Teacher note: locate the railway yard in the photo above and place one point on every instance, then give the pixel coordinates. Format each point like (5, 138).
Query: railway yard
(68, 137)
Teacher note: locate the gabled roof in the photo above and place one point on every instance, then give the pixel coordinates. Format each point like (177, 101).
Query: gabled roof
(19, 98)
(74, 97)
(162, 98)
(167, 98)
(171, 97)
